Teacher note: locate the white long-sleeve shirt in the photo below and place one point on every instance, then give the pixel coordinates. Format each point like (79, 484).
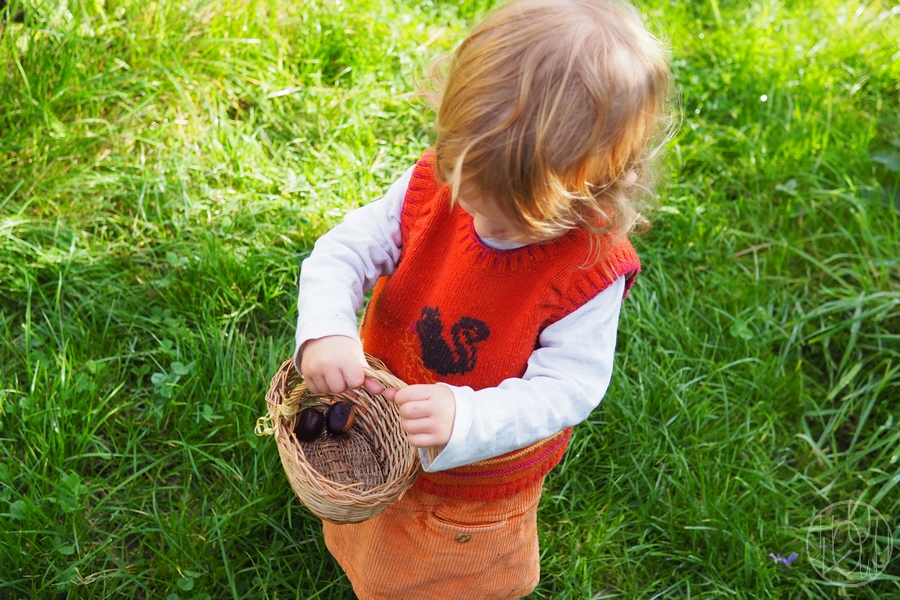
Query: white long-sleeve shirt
(566, 376)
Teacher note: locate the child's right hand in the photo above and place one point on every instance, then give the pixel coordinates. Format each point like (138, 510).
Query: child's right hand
(334, 364)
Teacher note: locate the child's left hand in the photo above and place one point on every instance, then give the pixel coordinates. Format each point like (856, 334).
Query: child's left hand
(427, 412)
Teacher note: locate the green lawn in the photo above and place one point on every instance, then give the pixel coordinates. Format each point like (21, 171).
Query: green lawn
(165, 167)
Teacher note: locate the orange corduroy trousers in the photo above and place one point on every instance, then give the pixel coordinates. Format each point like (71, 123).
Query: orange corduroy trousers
(428, 547)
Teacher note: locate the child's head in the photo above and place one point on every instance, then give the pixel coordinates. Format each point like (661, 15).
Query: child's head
(550, 109)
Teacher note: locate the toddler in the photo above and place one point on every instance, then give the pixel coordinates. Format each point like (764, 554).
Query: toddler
(499, 262)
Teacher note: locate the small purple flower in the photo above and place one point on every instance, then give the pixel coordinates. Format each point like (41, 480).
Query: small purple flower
(786, 560)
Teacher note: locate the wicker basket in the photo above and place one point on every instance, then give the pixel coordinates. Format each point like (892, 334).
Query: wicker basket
(351, 477)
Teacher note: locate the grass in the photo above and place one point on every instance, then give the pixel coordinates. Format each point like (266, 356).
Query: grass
(168, 165)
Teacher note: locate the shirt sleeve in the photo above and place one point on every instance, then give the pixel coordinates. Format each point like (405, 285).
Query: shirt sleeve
(345, 263)
(565, 379)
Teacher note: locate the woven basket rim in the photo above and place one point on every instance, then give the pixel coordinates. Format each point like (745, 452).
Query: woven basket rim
(331, 500)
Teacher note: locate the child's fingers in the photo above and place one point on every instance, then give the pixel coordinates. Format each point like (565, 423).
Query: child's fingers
(352, 378)
(421, 433)
(427, 413)
(336, 382)
(374, 387)
(416, 426)
(333, 382)
(332, 364)
(415, 410)
(424, 440)
(315, 383)
(413, 393)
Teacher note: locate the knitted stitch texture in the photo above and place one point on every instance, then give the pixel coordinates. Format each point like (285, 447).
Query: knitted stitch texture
(459, 312)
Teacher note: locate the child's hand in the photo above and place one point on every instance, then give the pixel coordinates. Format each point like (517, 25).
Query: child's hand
(334, 364)
(427, 412)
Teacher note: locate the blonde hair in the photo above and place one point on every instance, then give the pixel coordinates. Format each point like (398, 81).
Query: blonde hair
(550, 108)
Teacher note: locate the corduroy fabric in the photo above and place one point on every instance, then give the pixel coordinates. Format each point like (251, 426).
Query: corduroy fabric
(459, 312)
(427, 547)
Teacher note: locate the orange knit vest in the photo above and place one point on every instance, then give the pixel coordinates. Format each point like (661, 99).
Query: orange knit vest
(459, 312)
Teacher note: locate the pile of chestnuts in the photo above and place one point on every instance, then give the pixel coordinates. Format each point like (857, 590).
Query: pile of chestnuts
(337, 419)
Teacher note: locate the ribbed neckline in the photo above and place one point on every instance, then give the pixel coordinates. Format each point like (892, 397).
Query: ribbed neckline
(539, 249)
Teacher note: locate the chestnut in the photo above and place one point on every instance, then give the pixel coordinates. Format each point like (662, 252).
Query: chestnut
(310, 424)
(339, 417)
